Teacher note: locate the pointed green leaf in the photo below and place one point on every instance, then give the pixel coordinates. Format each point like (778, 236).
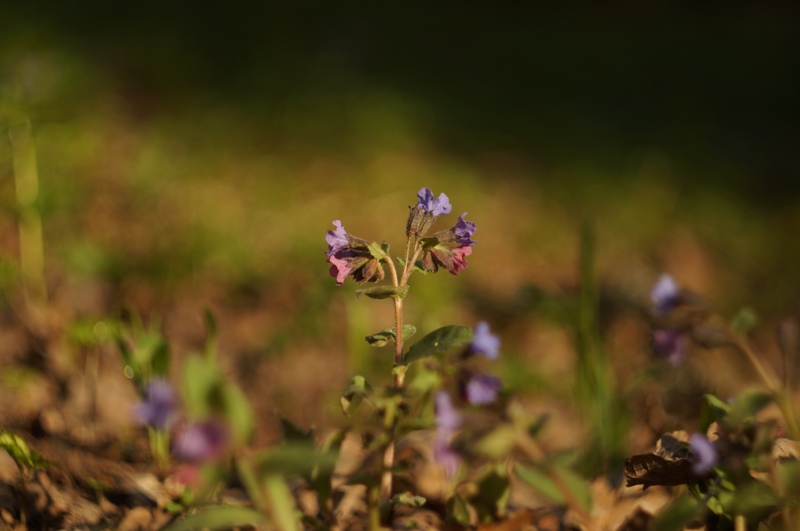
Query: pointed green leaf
(299, 459)
(18, 449)
(576, 485)
(540, 481)
(220, 517)
(438, 341)
(237, 410)
(458, 510)
(284, 511)
(384, 292)
(380, 339)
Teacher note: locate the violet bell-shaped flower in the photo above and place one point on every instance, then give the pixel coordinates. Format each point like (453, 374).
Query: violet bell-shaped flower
(448, 421)
(159, 405)
(425, 211)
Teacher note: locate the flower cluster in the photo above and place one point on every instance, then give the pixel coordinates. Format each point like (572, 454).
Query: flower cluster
(351, 255)
(447, 249)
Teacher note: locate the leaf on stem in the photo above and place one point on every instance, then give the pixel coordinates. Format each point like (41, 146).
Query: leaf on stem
(380, 339)
(438, 341)
(384, 292)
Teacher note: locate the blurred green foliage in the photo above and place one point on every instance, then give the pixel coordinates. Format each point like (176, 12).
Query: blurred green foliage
(201, 153)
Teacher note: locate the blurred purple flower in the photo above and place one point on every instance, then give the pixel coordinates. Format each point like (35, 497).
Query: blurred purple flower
(436, 207)
(447, 422)
(159, 405)
(669, 343)
(704, 452)
(484, 342)
(447, 417)
(445, 456)
(201, 441)
(482, 389)
(665, 295)
(464, 230)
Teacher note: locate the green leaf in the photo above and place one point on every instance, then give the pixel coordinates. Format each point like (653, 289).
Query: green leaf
(237, 410)
(384, 292)
(282, 503)
(219, 517)
(498, 443)
(322, 476)
(199, 378)
(409, 499)
(748, 403)
(299, 459)
(438, 341)
(679, 513)
(458, 510)
(540, 481)
(745, 321)
(722, 407)
(493, 494)
(576, 485)
(377, 251)
(354, 394)
(18, 449)
(380, 339)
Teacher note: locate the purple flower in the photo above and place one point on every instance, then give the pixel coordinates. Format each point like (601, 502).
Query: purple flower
(665, 295)
(337, 239)
(484, 342)
(436, 207)
(447, 417)
(705, 454)
(669, 343)
(445, 456)
(201, 441)
(482, 389)
(159, 405)
(447, 422)
(464, 230)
